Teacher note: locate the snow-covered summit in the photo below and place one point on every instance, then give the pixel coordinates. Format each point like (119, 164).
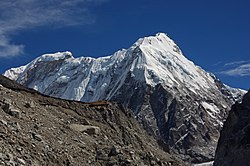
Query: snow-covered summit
(160, 41)
(55, 56)
(161, 61)
(153, 60)
(15, 73)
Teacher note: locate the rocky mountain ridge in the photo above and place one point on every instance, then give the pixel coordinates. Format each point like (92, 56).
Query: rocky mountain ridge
(39, 130)
(233, 146)
(176, 101)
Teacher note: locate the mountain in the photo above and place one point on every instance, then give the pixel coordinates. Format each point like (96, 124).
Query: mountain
(233, 146)
(176, 101)
(39, 130)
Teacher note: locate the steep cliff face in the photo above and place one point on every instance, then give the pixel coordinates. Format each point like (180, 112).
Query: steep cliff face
(176, 101)
(233, 146)
(40, 130)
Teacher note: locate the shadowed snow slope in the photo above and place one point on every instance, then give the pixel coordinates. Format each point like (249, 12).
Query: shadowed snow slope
(176, 101)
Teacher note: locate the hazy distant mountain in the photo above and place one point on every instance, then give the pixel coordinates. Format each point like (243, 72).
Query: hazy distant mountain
(175, 100)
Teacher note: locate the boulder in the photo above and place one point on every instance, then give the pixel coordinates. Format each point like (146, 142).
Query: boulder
(37, 136)
(91, 130)
(9, 109)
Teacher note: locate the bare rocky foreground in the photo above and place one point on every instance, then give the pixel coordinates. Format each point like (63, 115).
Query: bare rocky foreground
(40, 130)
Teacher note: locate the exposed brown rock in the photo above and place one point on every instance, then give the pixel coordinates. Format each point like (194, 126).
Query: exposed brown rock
(91, 130)
(44, 135)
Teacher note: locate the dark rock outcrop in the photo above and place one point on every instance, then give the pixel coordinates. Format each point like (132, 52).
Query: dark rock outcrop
(53, 131)
(234, 143)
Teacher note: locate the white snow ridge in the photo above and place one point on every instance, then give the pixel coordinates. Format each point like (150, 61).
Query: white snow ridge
(155, 60)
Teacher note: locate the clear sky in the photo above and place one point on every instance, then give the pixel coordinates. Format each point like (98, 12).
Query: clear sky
(213, 34)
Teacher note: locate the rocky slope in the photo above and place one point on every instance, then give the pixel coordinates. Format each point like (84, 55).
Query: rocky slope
(233, 146)
(176, 101)
(40, 130)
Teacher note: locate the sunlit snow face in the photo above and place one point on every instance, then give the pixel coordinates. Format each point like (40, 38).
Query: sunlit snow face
(151, 60)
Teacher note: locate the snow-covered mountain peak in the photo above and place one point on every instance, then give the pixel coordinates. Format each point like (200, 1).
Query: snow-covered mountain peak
(153, 60)
(15, 73)
(158, 60)
(54, 56)
(159, 41)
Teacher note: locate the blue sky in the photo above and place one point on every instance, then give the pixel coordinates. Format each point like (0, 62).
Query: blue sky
(213, 34)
